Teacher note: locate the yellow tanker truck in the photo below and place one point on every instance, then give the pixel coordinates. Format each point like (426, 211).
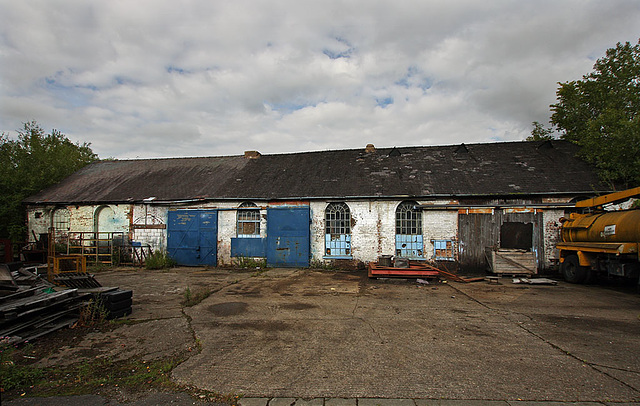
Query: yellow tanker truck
(600, 241)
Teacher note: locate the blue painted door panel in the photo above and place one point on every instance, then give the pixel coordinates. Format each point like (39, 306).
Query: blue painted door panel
(288, 237)
(192, 237)
(249, 247)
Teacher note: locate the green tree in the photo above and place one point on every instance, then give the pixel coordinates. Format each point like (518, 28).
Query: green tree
(540, 133)
(30, 163)
(600, 114)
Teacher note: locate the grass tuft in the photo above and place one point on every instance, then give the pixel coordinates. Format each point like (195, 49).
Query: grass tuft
(159, 260)
(191, 299)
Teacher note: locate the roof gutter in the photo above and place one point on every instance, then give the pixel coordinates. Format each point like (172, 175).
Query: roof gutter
(495, 206)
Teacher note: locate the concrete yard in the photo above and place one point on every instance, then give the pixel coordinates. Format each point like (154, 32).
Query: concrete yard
(291, 333)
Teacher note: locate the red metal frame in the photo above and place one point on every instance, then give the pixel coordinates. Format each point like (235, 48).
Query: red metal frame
(413, 271)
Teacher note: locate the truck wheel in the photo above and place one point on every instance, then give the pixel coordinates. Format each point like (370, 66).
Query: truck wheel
(572, 272)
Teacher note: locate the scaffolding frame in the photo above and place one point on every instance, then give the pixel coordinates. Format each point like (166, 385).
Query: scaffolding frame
(98, 247)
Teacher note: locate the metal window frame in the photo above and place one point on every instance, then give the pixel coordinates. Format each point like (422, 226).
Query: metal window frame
(248, 214)
(408, 219)
(409, 240)
(337, 216)
(57, 222)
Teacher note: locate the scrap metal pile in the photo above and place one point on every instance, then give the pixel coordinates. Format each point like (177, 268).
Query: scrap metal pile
(386, 267)
(31, 306)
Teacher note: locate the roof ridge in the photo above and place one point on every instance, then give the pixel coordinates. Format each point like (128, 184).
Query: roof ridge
(333, 150)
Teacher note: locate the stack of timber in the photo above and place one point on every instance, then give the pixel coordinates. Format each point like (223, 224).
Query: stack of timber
(514, 262)
(35, 307)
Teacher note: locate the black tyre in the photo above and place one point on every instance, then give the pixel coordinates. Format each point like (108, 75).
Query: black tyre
(115, 306)
(119, 313)
(116, 296)
(572, 272)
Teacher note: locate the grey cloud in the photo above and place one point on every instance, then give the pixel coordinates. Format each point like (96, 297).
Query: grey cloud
(282, 76)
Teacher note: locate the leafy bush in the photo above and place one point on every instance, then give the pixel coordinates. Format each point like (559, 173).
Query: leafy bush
(159, 260)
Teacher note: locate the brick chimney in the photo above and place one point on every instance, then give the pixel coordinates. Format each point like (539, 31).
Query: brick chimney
(252, 154)
(370, 148)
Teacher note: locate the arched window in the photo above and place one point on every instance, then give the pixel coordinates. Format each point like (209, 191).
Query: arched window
(409, 242)
(337, 230)
(248, 221)
(60, 219)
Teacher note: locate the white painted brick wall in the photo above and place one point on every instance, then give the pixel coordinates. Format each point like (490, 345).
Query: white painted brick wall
(39, 221)
(551, 223)
(373, 231)
(438, 225)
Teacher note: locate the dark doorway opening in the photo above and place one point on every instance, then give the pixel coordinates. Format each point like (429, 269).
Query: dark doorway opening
(514, 235)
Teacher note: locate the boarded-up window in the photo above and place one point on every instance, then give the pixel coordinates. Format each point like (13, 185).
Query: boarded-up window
(443, 250)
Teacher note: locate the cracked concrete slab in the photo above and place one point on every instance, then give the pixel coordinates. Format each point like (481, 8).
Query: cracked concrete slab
(340, 335)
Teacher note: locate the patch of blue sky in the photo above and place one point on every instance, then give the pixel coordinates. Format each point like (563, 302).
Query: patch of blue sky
(123, 80)
(334, 54)
(337, 55)
(74, 96)
(384, 101)
(415, 78)
(288, 107)
(178, 70)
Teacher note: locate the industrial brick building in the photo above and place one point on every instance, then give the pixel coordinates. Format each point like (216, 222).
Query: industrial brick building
(441, 203)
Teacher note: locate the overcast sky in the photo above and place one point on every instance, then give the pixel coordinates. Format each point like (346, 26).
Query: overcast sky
(210, 77)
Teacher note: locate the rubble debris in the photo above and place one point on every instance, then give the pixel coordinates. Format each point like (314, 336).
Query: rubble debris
(415, 269)
(493, 279)
(453, 276)
(535, 281)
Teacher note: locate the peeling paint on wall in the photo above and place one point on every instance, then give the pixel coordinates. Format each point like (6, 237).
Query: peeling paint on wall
(372, 231)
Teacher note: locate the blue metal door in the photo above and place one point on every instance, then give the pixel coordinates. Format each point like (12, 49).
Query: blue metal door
(288, 236)
(193, 236)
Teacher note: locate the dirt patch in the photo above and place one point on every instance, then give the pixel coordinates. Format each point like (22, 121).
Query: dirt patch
(154, 339)
(298, 306)
(264, 326)
(245, 291)
(228, 309)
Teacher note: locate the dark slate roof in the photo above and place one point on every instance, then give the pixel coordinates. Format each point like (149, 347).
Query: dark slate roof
(493, 169)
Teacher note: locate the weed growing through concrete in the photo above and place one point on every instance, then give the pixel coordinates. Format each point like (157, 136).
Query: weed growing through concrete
(250, 263)
(159, 260)
(98, 376)
(92, 314)
(320, 264)
(193, 298)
